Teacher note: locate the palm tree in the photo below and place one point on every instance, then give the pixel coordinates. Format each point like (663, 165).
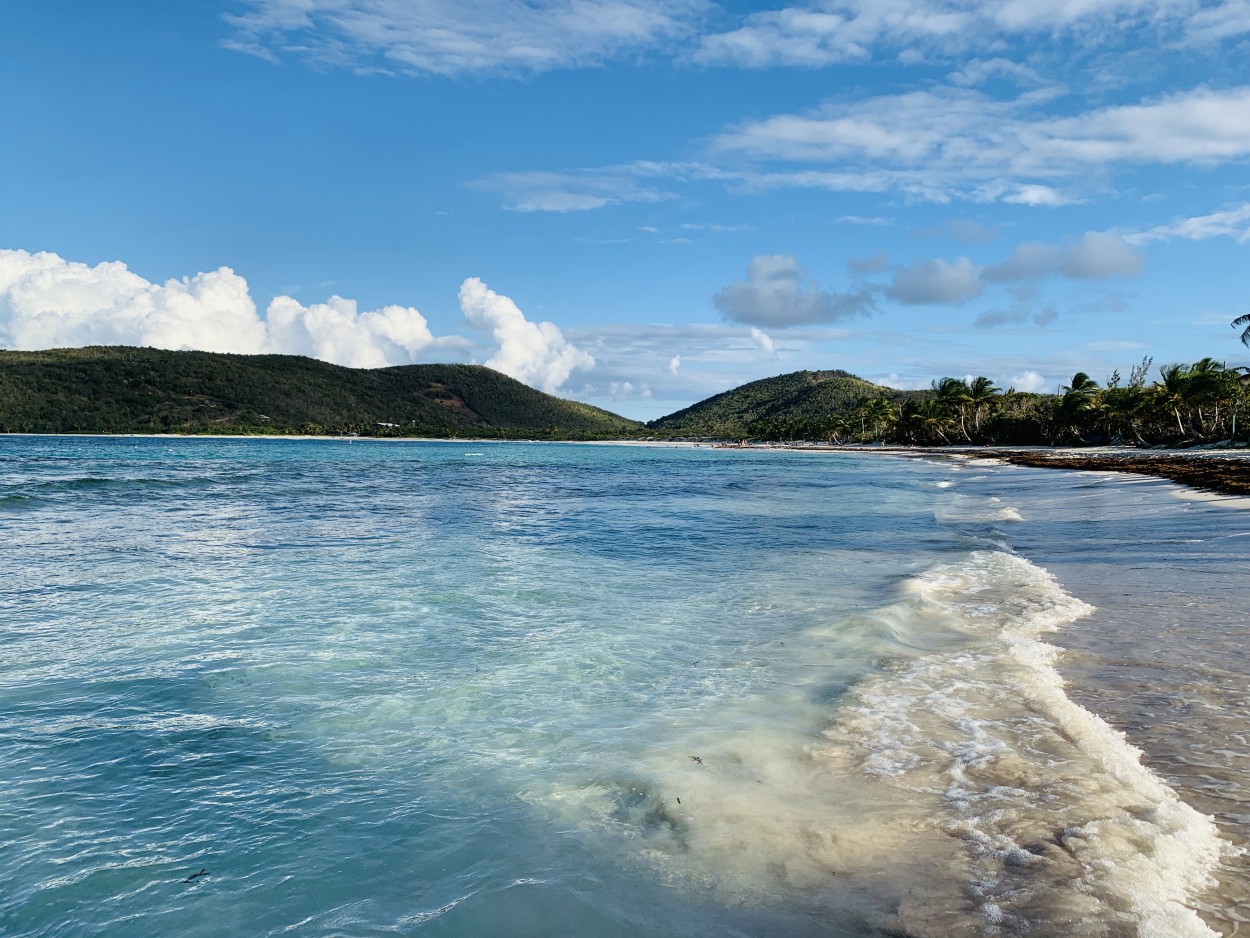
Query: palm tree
(982, 394)
(884, 416)
(953, 394)
(1205, 383)
(1120, 408)
(922, 421)
(1082, 384)
(1173, 392)
(1239, 386)
(1077, 402)
(834, 428)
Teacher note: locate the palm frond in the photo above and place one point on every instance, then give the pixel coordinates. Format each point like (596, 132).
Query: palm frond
(1243, 321)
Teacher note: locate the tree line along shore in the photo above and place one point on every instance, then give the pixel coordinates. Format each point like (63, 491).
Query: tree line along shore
(139, 390)
(1155, 424)
(109, 390)
(1187, 405)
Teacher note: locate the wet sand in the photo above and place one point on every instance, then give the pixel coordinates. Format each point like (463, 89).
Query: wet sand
(1226, 474)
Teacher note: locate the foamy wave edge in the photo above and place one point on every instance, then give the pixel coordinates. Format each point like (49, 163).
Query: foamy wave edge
(958, 792)
(1063, 825)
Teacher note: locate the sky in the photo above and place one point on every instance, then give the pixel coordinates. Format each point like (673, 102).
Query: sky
(633, 203)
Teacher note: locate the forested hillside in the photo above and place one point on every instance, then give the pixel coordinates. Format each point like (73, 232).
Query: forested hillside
(141, 390)
(1203, 402)
(764, 408)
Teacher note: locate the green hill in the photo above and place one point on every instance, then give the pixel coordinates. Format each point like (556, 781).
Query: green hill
(142, 390)
(798, 397)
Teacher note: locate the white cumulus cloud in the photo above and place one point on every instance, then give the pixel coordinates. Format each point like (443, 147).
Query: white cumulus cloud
(335, 331)
(628, 391)
(1029, 381)
(49, 302)
(535, 353)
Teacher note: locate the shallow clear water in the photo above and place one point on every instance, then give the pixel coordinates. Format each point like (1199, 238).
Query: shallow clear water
(468, 688)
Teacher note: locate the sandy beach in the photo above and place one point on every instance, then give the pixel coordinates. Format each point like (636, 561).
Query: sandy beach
(1225, 471)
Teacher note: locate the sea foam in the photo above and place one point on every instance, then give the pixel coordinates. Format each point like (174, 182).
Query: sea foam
(1058, 823)
(957, 791)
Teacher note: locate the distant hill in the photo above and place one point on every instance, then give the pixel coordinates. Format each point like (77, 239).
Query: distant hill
(109, 389)
(799, 397)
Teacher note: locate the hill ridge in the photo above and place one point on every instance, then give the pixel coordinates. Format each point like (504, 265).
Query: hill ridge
(805, 396)
(120, 389)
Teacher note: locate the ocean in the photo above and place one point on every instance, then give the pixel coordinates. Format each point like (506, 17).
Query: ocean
(320, 687)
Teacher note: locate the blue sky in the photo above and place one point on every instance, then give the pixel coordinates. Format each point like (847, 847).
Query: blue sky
(633, 203)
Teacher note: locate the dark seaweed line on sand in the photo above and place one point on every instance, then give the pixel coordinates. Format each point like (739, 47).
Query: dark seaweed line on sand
(1209, 473)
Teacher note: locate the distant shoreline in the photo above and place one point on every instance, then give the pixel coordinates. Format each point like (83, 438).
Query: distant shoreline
(1224, 472)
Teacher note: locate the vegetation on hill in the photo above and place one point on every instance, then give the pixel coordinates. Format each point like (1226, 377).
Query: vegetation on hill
(772, 407)
(142, 390)
(1198, 403)
(137, 390)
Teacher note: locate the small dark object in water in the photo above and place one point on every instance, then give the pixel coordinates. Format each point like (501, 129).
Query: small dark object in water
(679, 801)
(697, 759)
(195, 876)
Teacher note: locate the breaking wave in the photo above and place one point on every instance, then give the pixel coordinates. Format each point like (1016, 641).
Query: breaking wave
(956, 791)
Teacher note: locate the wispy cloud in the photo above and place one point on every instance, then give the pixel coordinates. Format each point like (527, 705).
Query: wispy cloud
(874, 221)
(959, 229)
(979, 71)
(682, 363)
(1233, 222)
(574, 190)
(454, 37)
(941, 144)
(945, 142)
(831, 32)
(1016, 315)
(713, 227)
(1219, 21)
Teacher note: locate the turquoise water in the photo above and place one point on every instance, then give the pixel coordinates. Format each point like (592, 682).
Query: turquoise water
(470, 688)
